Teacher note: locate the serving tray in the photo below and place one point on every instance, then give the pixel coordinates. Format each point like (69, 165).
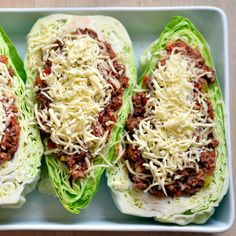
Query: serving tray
(144, 25)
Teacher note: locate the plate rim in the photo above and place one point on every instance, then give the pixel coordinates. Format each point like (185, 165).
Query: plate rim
(135, 227)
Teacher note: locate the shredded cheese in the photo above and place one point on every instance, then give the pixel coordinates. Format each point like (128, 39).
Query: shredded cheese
(77, 91)
(166, 135)
(6, 98)
(79, 86)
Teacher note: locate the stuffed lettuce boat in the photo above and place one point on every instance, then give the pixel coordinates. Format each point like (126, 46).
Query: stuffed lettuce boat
(82, 70)
(172, 162)
(20, 144)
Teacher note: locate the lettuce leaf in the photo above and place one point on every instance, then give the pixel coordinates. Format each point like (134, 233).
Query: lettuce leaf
(16, 60)
(20, 175)
(182, 210)
(76, 194)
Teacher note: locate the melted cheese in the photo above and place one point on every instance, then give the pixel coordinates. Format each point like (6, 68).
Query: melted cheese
(166, 136)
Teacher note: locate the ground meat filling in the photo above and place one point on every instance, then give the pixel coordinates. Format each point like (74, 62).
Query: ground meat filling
(188, 181)
(106, 118)
(9, 137)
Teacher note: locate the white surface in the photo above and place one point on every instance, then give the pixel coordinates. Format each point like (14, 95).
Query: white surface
(144, 25)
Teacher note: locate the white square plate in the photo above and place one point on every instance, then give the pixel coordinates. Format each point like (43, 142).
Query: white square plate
(144, 26)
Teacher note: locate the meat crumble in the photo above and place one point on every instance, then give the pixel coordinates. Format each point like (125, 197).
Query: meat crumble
(188, 181)
(106, 118)
(10, 138)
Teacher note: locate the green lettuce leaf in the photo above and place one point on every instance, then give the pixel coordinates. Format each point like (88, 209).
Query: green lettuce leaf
(182, 210)
(20, 175)
(16, 60)
(76, 194)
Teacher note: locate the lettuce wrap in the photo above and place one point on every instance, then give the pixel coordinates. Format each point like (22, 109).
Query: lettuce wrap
(20, 144)
(178, 208)
(82, 45)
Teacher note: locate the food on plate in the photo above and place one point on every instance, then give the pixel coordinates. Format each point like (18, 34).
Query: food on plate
(82, 70)
(172, 162)
(20, 145)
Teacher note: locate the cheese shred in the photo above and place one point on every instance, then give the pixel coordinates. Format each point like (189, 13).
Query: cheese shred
(167, 135)
(6, 98)
(78, 88)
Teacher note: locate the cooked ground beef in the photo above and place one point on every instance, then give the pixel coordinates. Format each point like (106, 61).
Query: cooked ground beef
(214, 143)
(146, 81)
(10, 139)
(139, 183)
(11, 71)
(208, 162)
(210, 110)
(139, 101)
(116, 102)
(189, 181)
(76, 162)
(42, 100)
(97, 128)
(193, 53)
(132, 123)
(133, 154)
